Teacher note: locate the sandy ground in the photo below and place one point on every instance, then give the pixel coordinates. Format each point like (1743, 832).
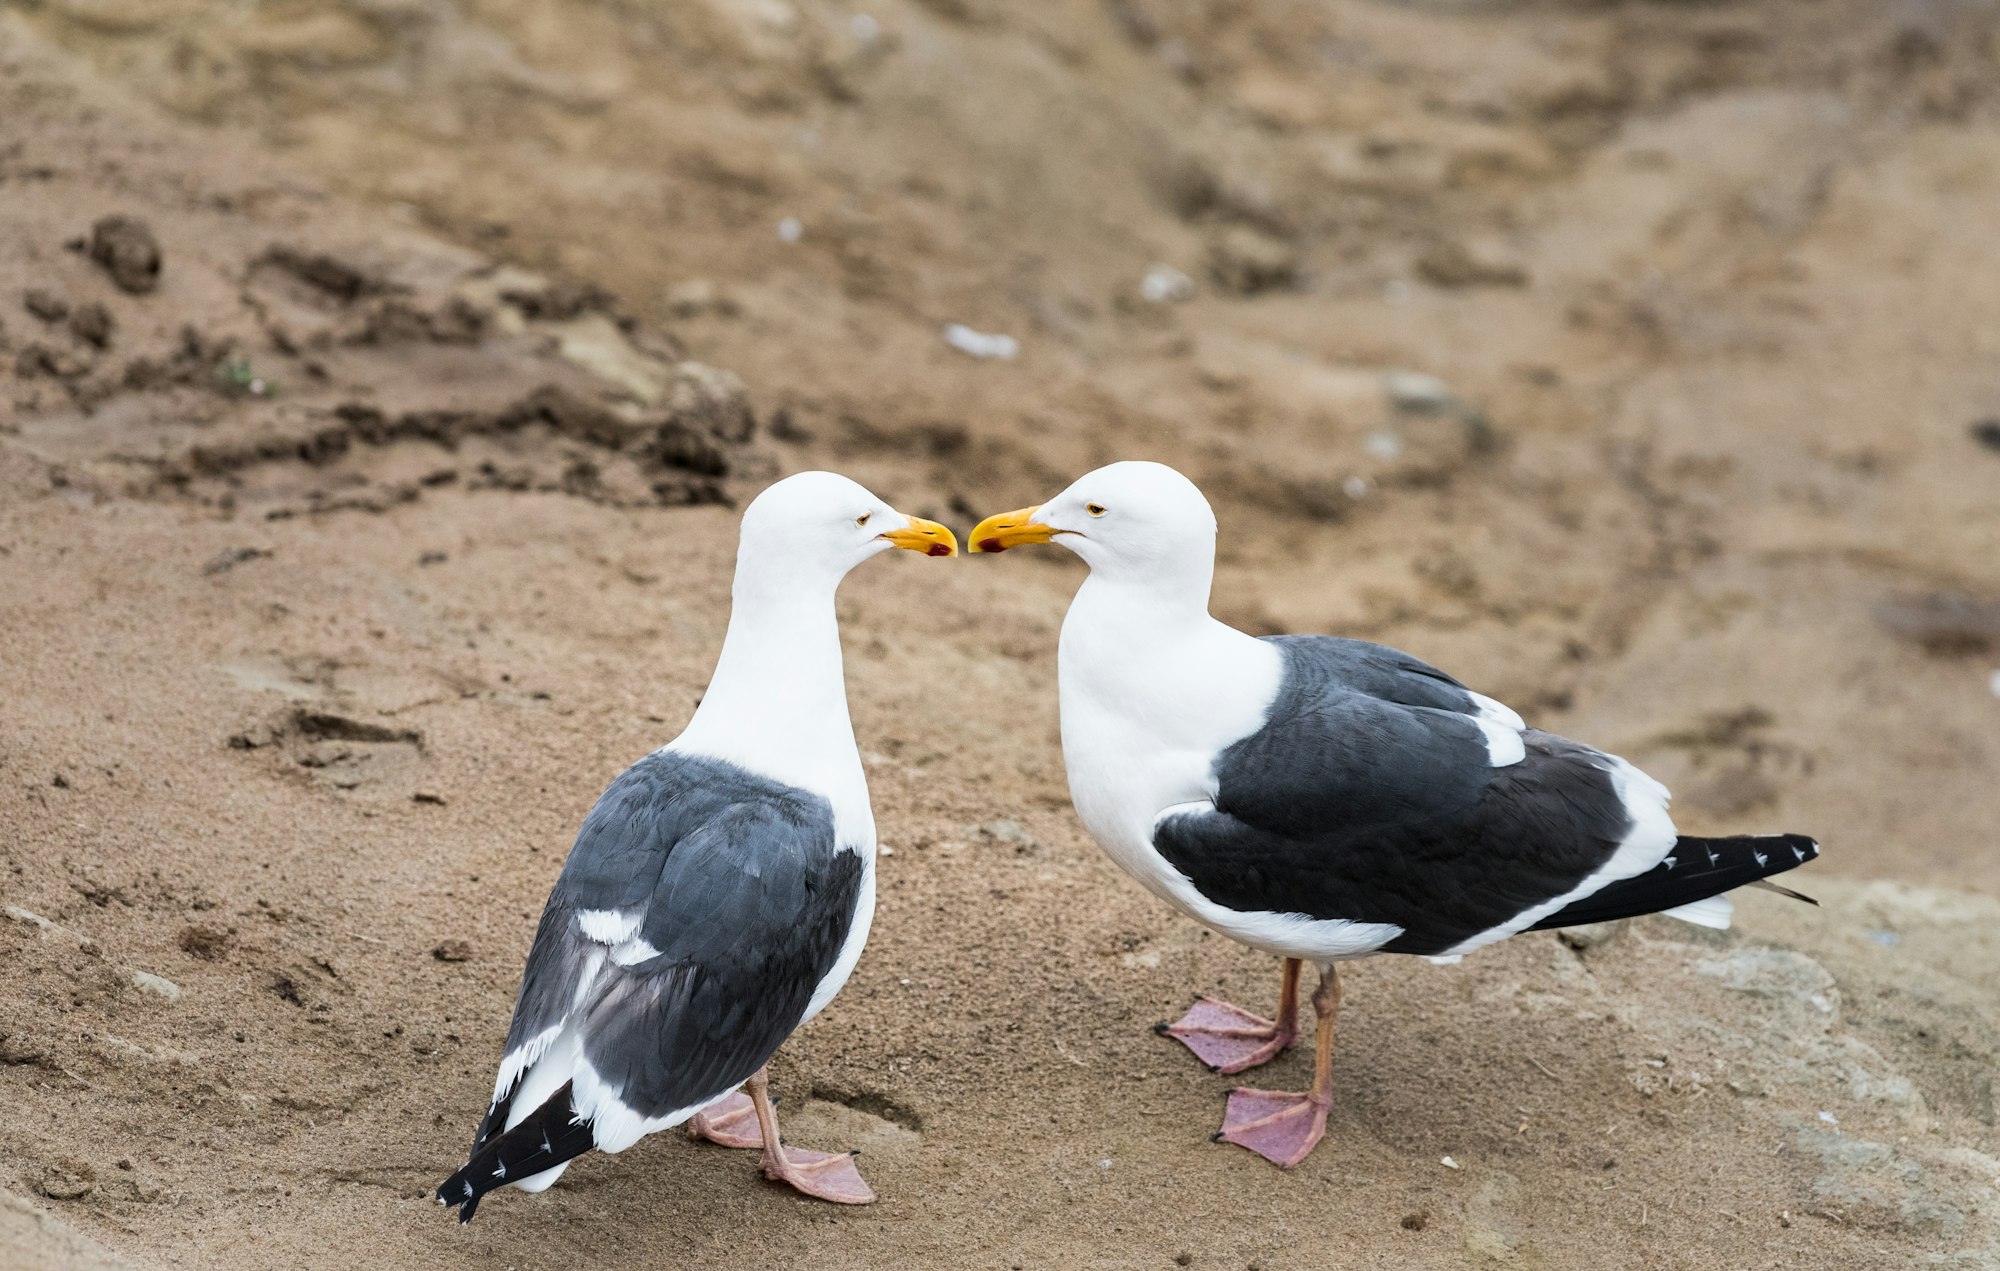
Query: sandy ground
(1629, 361)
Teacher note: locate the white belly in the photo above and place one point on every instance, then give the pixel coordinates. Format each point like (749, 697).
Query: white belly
(1142, 723)
(857, 937)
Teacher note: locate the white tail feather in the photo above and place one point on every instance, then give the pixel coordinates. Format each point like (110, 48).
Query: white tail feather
(1714, 912)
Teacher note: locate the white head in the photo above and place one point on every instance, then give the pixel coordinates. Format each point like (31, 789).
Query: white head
(1131, 521)
(815, 526)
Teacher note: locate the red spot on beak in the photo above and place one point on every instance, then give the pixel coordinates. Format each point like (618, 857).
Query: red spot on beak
(937, 549)
(991, 545)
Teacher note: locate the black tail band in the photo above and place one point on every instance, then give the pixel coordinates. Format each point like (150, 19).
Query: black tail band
(547, 1137)
(1695, 870)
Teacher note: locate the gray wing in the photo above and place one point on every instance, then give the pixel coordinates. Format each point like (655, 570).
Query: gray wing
(1371, 795)
(698, 911)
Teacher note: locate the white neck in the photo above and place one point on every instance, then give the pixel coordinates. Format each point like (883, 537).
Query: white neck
(777, 704)
(1152, 654)
(1152, 689)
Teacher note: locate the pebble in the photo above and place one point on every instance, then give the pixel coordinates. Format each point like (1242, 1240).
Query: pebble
(1415, 391)
(791, 230)
(1163, 284)
(1383, 445)
(980, 344)
(159, 986)
(1247, 261)
(127, 250)
(59, 1182)
(1007, 832)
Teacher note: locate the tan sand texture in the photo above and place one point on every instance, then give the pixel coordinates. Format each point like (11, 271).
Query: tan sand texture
(366, 504)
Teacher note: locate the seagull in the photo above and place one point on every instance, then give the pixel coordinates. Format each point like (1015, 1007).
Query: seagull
(1324, 799)
(719, 892)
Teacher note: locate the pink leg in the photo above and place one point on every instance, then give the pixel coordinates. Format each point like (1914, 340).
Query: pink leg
(826, 1175)
(1280, 1126)
(1230, 1039)
(732, 1123)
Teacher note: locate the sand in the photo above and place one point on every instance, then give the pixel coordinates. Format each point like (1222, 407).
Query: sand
(367, 502)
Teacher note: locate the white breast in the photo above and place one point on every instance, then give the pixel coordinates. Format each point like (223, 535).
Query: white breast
(1143, 718)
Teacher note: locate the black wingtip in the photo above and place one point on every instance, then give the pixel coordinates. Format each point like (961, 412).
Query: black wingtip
(1767, 885)
(467, 1205)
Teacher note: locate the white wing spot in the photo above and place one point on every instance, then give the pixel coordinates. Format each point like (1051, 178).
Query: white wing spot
(1761, 858)
(1504, 746)
(1799, 853)
(1499, 712)
(607, 926)
(500, 1171)
(633, 952)
(1669, 862)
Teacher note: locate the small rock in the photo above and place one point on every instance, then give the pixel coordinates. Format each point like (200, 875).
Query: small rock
(92, 324)
(1944, 623)
(1987, 433)
(699, 297)
(712, 401)
(1591, 935)
(126, 248)
(230, 558)
(1163, 284)
(207, 943)
(980, 344)
(159, 986)
(69, 1180)
(19, 1048)
(1247, 261)
(39, 359)
(1007, 832)
(1416, 392)
(428, 796)
(453, 951)
(1416, 1221)
(1455, 264)
(45, 305)
(52, 930)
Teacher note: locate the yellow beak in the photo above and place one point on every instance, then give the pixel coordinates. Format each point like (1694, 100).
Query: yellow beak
(1010, 529)
(927, 537)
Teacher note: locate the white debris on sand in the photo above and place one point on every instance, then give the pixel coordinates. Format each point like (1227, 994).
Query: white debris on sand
(979, 343)
(1383, 445)
(158, 986)
(1163, 284)
(791, 230)
(1415, 391)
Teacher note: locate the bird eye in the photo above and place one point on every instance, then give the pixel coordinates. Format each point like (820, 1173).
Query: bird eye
(1095, 509)
(863, 518)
